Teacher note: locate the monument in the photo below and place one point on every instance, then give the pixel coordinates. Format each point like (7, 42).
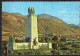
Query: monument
(31, 35)
(31, 27)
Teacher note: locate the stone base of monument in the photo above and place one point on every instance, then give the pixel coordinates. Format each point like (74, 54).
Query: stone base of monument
(35, 47)
(49, 45)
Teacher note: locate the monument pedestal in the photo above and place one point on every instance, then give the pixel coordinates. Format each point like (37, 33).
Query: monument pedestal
(31, 30)
(49, 45)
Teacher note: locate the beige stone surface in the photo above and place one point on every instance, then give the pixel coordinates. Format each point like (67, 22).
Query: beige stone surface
(35, 47)
(49, 45)
(40, 44)
(31, 29)
(17, 46)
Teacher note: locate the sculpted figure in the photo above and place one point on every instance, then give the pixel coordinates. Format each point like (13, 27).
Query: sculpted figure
(31, 11)
(11, 39)
(35, 42)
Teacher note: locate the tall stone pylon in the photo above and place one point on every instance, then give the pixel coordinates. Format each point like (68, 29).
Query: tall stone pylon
(31, 28)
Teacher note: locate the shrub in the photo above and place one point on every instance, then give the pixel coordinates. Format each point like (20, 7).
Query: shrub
(4, 47)
(63, 38)
(66, 47)
(54, 45)
(75, 45)
(55, 38)
(29, 52)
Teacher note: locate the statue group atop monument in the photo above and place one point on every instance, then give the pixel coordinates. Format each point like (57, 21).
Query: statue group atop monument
(31, 11)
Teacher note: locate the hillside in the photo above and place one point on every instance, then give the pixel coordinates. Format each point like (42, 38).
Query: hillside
(49, 26)
(54, 18)
(79, 24)
(14, 23)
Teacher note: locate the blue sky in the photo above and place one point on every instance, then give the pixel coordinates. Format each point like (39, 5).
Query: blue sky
(67, 11)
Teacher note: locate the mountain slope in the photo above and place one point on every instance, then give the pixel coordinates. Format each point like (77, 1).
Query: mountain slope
(49, 26)
(56, 19)
(79, 25)
(15, 23)
(11, 22)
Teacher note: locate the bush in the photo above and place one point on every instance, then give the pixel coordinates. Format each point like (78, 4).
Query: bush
(75, 45)
(66, 47)
(63, 38)
(54, 45)
(4, 47)
(55, 38)
(62, 44)
(54, 52)
(29, 52)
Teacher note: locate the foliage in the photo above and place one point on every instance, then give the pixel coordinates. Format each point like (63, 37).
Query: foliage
(55, 38)
(44, 47)
(63, 48)
(63, 38)
(12, 39)
(54, 45)
(75, 45)
(66, 47)
(4, 47)
(58, 51)
(30, 52)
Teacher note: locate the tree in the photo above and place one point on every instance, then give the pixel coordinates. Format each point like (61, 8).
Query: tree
(42, 39)
(55, 38)
(59, 51)
(4, 47)
(54, 45)
(63, 38)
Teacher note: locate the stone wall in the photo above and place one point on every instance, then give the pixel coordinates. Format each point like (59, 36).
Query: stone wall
(40, 44)
(26, 45)
(49, 45)
(45, 45)
(17, 46)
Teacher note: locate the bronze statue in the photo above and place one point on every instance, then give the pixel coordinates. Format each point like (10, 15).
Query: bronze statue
(31, 11)
(35, 42)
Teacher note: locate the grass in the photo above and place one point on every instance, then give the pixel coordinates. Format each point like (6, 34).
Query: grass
(72, 41)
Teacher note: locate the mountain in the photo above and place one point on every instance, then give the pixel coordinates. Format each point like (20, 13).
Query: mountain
(54, 18)
(18, 14)
(13, 23)
(78, 25)
(58, 20)
(49, 26)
